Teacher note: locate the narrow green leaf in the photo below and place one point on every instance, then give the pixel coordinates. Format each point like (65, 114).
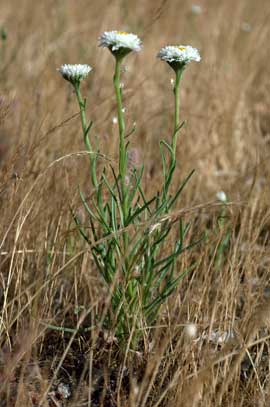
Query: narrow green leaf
(135, 188)
(138, 211)
(90, 213)
(184, 183)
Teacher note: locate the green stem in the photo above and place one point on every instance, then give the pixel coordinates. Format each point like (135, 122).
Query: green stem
(122, 144)
(86, 129)
(172, 164)
(122, 160)
(176, 92)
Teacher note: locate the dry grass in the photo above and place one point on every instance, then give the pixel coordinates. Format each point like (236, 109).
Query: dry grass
(46, 271)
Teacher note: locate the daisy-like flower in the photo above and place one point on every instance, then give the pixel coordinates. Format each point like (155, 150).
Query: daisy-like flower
(120, 43)
(75, 73)
(196, 9)
(191, 331)
(221, 196)
(179, 56)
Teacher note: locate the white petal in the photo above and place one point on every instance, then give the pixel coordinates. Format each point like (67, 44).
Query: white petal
(119, 39)
(75, 72)
(180, 53)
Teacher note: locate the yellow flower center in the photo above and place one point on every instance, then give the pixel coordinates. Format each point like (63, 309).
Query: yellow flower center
(181, 48)
(122, 32)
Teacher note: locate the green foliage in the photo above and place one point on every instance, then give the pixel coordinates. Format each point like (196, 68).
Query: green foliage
(131, 255)
(132, 237)
(3, 34)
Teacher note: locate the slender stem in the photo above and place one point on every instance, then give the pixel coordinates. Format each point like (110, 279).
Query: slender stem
(176, 91)
(122, 145)
(172, 164)
(122, 160)
(86, 129)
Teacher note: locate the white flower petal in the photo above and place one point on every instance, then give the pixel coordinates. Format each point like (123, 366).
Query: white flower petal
(221, 196)
(196, 9)
(246, 27)
(120, 39)
(191, 330)
(75, 72)
(181, 53)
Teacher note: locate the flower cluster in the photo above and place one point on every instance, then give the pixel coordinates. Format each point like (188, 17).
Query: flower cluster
(121, 43)
(75, 73)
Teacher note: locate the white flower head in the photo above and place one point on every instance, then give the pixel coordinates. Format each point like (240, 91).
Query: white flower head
(120, 43)
(178, 56)
(191, 331)
(221, 196)
(75, 73)
(196, 9)
(245, 26)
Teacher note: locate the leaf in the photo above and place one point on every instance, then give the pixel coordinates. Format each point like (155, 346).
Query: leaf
(90, 213)
(184, 183)
(138, 211)
(88, 128)
(109, 187)
(81, 230)
(135, 188)
(162, 297)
